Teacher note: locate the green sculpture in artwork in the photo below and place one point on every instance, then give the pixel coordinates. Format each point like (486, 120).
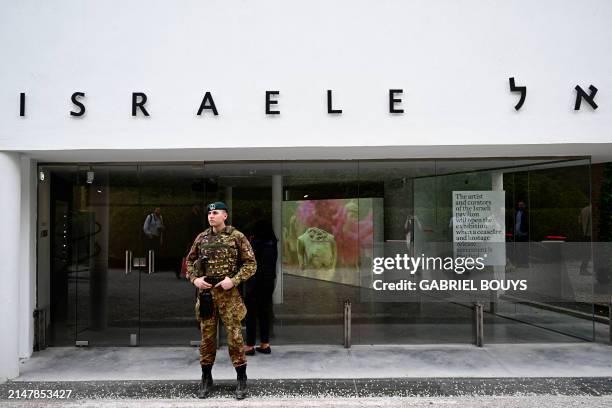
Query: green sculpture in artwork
(316, 249)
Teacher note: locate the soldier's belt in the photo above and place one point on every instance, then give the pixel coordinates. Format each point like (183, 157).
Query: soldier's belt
(213, 280)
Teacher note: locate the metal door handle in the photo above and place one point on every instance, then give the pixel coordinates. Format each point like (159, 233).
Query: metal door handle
(128, 262)
(151, 261)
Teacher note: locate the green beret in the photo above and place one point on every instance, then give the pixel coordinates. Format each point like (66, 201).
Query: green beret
(217, 205)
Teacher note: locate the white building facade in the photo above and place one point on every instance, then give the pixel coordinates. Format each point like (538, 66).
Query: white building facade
(108, 110)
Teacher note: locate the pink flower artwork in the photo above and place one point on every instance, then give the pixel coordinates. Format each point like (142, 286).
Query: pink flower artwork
(340, 218)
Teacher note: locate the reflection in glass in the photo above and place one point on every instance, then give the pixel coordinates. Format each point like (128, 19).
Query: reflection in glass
(332, 218)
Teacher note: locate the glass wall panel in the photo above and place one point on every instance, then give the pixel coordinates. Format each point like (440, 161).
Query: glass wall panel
(601, 262)
(108, 292)
(399, 211)
(166, 297)
(549, 246)
(252, 191)
(320, 260)
(57, 258)
(547, 250)
(332, 220)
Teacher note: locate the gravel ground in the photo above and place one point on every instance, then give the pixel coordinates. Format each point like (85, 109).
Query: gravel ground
(394, 392)
(488, 401)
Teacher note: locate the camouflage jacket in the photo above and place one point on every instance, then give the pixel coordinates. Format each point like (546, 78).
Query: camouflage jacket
(225, 251)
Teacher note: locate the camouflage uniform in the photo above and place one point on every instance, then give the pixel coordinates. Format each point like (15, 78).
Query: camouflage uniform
(225, 250)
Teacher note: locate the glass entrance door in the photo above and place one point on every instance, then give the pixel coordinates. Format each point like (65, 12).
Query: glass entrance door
(132, 227)
(106, 232)
(171, 210)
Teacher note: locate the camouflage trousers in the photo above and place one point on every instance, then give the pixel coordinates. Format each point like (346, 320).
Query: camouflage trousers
(228, 306)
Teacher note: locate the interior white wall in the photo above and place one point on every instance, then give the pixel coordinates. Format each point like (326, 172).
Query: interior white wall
(452, 58)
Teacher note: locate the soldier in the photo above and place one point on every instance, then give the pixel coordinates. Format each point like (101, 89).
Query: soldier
(219, 260)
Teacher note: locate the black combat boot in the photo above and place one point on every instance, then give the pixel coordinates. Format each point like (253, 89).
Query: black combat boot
(207, 381)
(241, 387)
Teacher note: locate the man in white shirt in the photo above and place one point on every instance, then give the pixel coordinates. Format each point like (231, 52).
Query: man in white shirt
(153, 229)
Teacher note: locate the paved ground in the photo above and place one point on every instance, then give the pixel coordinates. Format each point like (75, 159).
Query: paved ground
(303, 362)
(516, 375)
